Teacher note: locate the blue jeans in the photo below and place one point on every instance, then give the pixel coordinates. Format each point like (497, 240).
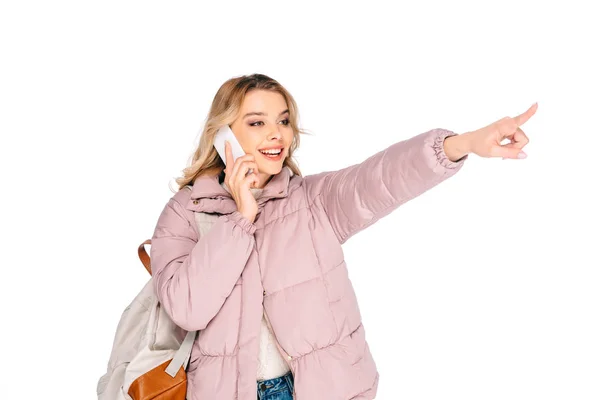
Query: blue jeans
(280, 388)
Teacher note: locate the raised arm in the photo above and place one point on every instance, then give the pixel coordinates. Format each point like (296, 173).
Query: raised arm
(193, 276)
(356, 197)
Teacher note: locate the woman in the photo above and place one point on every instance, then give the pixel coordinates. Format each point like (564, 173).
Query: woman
(267, 285)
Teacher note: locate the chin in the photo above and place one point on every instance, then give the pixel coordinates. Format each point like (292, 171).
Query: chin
(273, 170)
(270, 167)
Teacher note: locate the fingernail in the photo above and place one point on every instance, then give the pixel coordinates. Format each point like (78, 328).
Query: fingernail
(521, 155)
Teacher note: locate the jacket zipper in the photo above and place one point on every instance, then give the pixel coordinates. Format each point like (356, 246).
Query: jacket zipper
(283, 353)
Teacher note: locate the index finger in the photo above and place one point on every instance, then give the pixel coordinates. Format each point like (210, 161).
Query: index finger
(228, 157)
(521, 119)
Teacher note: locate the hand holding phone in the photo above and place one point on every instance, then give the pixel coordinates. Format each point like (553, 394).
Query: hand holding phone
(238, 176)
(226, 134)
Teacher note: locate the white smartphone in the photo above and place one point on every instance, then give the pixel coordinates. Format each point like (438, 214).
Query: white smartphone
(225, 133)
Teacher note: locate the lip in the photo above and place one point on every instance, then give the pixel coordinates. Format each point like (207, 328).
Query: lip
(278, 158)
(272, 148)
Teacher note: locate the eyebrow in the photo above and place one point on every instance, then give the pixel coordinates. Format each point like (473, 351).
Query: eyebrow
(262, 113)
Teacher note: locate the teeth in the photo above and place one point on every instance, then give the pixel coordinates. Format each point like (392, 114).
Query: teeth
(271, 151)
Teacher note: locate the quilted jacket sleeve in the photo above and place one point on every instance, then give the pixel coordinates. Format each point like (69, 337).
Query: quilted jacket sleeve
(193, 276)
(355, 197)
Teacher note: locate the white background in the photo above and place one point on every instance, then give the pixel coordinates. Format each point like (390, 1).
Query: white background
(485, 287)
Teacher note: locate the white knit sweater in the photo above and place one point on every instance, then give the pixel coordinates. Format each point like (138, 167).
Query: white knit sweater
(270, 362)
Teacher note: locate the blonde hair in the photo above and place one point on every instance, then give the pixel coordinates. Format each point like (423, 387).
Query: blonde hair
(225, 109)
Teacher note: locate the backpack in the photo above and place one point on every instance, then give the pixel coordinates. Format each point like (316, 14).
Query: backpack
(150, 354)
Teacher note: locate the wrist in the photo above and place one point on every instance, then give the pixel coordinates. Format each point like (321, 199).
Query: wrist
(249, 216)
(457, 146)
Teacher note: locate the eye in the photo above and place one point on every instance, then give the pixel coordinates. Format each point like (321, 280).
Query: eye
(287, 122)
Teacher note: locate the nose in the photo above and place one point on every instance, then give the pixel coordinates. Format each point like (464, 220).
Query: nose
(275, 135)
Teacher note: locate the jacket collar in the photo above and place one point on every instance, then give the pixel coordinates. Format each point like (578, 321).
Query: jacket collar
(209, 196)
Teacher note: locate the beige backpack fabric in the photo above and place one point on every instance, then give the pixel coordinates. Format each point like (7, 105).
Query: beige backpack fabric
(150, 354)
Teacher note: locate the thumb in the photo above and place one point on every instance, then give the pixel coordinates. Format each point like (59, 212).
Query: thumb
(508, 151)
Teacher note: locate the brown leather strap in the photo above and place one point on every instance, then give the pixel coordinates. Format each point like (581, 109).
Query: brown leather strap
(144, 257)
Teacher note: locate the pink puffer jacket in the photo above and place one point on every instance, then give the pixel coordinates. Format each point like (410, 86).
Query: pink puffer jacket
(289, 261)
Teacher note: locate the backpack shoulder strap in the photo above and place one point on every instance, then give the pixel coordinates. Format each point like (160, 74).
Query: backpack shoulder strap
(182, 356)
(144, 257)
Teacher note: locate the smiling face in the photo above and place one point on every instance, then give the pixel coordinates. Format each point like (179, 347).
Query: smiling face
(263, 130)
